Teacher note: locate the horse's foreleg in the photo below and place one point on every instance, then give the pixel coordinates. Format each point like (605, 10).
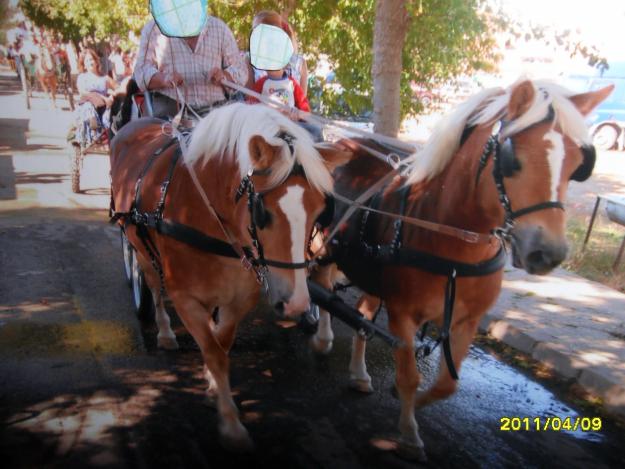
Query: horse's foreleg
(225, 332)
(407, 380)
(196, 319)
(359, 379)
(461, 338)
(321, 341)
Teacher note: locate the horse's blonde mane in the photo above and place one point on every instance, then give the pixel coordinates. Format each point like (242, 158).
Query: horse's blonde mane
(228, 130)
(487, 107)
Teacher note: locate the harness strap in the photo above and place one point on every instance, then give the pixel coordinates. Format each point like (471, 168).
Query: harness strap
(535, 208)
(450, 299)
(203, 242)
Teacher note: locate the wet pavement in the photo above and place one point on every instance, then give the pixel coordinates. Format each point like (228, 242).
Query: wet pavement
(82, 384)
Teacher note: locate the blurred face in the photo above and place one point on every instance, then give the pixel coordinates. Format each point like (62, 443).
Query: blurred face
(90, 64)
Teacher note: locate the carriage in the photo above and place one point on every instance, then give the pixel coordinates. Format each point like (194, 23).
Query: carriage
(436, 220)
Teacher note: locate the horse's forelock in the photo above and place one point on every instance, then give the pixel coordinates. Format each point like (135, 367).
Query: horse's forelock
(228, 130)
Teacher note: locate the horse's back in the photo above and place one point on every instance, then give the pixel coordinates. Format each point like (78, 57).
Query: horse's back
(131, 148)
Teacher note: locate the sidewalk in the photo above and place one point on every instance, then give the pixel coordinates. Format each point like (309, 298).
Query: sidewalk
(42, 120)
(573, 325)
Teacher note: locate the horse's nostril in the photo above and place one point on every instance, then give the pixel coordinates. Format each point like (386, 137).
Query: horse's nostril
(543, 261)
(279, 308)
(537, 258)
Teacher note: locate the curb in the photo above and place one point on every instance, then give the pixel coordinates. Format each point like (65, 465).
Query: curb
(597, 380)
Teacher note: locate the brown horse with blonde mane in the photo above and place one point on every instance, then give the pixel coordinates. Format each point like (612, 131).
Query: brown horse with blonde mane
(497, 169)
(248, 189)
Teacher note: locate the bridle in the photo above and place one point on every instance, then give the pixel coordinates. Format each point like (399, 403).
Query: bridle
(260, 217)
(506, 164)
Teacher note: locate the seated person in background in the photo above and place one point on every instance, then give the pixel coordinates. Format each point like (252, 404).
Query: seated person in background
(118, 66)
(196, 65)
(96, 97)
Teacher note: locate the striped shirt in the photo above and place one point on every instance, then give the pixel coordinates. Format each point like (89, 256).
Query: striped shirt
(215, 48)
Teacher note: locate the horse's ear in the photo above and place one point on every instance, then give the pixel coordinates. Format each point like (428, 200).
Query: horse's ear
(334, 155)
(521, 99)
(586, 102)
(262, 154)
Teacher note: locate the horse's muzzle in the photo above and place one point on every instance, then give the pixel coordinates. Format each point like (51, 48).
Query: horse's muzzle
(535, 252)
(287, 301)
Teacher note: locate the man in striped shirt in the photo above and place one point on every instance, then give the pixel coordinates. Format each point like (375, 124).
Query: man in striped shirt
(189, 68)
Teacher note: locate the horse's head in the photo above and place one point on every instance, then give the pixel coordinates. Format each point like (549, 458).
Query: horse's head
(281, 216)
(280, 181)
(542, 144)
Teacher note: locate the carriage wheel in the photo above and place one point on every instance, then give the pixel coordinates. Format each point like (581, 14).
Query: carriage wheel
(75, 169)
(127, 252)
(141, 297)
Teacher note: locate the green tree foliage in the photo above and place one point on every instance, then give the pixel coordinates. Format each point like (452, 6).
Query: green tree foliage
(75, 19)
(6, 13)
(445, 38)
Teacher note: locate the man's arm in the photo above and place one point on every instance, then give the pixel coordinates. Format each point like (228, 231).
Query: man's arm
(234, 66)
(146, 67)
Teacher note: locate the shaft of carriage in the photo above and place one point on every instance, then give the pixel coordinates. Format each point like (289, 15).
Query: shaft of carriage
(334, 305)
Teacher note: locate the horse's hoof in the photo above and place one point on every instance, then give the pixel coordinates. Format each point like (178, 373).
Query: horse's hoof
(321, 346)
(167, 343)
(411, 452)
(361, 385)
(238, 441)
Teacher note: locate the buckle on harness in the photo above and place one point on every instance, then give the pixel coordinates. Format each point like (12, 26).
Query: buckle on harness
(152, 219)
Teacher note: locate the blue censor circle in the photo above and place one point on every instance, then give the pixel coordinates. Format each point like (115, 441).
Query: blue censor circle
(270, 47)
(179, 18)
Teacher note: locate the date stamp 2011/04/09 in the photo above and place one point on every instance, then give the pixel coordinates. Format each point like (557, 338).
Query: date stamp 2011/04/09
(544, 424)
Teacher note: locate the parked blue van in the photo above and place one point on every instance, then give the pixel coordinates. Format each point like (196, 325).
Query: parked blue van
(607, 121)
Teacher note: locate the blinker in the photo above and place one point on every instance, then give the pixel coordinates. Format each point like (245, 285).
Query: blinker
(584, 171)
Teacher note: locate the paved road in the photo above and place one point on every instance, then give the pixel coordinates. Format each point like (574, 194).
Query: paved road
(82, 384)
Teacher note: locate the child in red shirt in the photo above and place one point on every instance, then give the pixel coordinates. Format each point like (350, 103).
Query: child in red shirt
(278, 86)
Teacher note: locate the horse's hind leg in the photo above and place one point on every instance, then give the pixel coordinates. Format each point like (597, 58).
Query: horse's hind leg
(196, 319)
(166, 338)
(461, 338)
(359, 379)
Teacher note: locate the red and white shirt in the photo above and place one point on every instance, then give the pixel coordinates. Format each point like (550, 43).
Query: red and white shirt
(284, 90)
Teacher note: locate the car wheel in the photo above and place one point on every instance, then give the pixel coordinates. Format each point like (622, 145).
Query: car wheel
(605, 137)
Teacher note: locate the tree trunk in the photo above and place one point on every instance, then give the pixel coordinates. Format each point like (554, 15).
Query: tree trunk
(391, 24)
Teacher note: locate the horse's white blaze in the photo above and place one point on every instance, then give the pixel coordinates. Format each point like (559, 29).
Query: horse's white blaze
(292, 204)
(555, 156)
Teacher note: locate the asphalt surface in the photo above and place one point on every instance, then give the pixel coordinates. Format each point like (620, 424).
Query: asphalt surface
(82, 383)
